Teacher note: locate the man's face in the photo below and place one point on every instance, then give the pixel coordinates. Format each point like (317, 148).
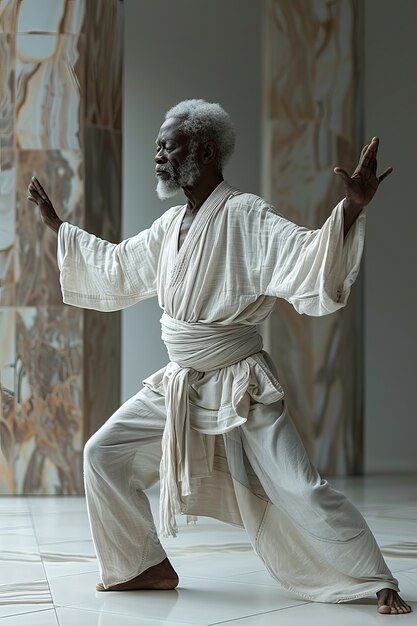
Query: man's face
(176, 160)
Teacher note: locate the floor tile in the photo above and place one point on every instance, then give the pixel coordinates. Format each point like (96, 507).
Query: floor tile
(55, 504)
(255, 578)
(14, 571)
(400, 565)
(39, 618)
(222, 580)
(18, 537)
(10, 520)
(13, 505)
(362, 613)
(78, 617)
(63, 526)
(23, 597)
(72, 557)
(217, 566)
(199, 601)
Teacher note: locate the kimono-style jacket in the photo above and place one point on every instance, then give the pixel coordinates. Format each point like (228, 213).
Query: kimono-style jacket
(238, 257)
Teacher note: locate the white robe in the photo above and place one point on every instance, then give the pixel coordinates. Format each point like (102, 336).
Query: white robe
(237, 258)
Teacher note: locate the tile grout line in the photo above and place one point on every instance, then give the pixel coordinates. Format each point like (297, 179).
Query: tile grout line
(231, 621)
(31, 513)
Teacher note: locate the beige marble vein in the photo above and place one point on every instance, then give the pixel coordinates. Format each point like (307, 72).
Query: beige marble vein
(48, 97)
(104, 59)
(8, 16)
(67, 132)
(310, 122)
(7, 91)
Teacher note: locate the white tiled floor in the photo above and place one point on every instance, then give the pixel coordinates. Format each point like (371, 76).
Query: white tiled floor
(48, 569)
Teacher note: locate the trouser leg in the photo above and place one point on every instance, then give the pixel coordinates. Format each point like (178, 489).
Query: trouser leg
(121, 460)
(326, 538)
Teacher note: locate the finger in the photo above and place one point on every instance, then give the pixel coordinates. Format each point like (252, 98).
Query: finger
(39, 188)
(371, 151)
(364, 150)
(387, 172)
(36, 195)
(38, 192)
(342, 173)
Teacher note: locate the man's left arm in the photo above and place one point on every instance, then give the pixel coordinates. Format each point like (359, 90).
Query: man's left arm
(361, 186)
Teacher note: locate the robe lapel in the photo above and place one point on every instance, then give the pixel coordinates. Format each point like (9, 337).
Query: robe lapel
(210, 207)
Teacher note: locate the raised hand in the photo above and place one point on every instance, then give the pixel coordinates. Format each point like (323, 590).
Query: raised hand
(360, 188)
(38, 196)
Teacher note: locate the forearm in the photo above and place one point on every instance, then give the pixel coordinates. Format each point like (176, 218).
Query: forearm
(350, 214)
(53, 224)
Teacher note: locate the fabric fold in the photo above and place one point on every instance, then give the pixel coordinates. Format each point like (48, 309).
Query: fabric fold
(207, 347)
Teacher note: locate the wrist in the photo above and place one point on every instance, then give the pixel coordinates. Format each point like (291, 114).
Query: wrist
(54, 224)
(352, 207)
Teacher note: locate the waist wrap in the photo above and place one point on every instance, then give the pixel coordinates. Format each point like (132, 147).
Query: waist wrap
(194, 348)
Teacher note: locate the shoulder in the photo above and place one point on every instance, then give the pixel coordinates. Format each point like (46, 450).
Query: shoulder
(244, 206)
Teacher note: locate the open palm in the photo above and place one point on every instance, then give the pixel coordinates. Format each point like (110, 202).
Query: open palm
(361, 186)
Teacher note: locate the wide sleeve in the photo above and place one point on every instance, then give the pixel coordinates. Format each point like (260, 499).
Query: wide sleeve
(314, 270)
(97, 274)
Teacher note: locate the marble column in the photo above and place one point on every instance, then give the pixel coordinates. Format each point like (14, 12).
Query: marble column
(60, 112)
(312, 115)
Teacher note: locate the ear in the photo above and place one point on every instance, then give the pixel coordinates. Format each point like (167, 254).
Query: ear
(209, 152)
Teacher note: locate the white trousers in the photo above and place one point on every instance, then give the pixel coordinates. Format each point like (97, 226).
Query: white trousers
(309, 536)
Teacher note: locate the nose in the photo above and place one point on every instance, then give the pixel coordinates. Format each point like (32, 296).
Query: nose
(160, 156)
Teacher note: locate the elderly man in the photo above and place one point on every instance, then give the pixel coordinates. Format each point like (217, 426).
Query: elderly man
(212, 424)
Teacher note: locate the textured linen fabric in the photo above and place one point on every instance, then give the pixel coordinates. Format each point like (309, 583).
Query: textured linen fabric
(238, 257)
(309, 536)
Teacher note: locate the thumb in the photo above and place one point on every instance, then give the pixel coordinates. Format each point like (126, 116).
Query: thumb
(343, 174)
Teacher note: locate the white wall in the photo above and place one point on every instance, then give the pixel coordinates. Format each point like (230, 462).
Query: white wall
(171, 54)
(391, 257)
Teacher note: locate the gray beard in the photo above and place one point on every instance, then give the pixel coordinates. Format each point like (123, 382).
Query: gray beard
(185, 176)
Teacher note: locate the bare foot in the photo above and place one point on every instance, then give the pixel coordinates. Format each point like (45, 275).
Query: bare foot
(161, 576)
(389, 602)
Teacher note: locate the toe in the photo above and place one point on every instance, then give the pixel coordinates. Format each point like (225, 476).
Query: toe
(384, 608)
(100, 587)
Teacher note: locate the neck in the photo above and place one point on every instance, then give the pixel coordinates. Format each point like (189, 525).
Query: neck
(198, 194)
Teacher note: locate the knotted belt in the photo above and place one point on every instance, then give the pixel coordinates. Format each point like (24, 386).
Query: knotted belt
(194, 348)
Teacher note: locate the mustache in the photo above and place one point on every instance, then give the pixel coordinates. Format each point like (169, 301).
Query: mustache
(168, 169)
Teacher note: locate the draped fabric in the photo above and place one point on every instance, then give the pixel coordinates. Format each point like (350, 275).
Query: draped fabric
(219, 385)
(238, 257)
(195, 348)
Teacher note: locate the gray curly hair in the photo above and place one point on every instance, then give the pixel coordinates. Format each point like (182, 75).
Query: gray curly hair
(205, 121)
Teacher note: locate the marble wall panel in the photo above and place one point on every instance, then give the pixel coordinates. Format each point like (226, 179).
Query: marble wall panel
(48, 422)
(49, 91)
(7, 91)
(103, 182)
(61, 173)
(42, 16)
(103, 189)
(102, 365)
(8, 16)
(104, 23)
(51, 16)
(8, 404)
(59, 365)
(7, 226)
(311, 122)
